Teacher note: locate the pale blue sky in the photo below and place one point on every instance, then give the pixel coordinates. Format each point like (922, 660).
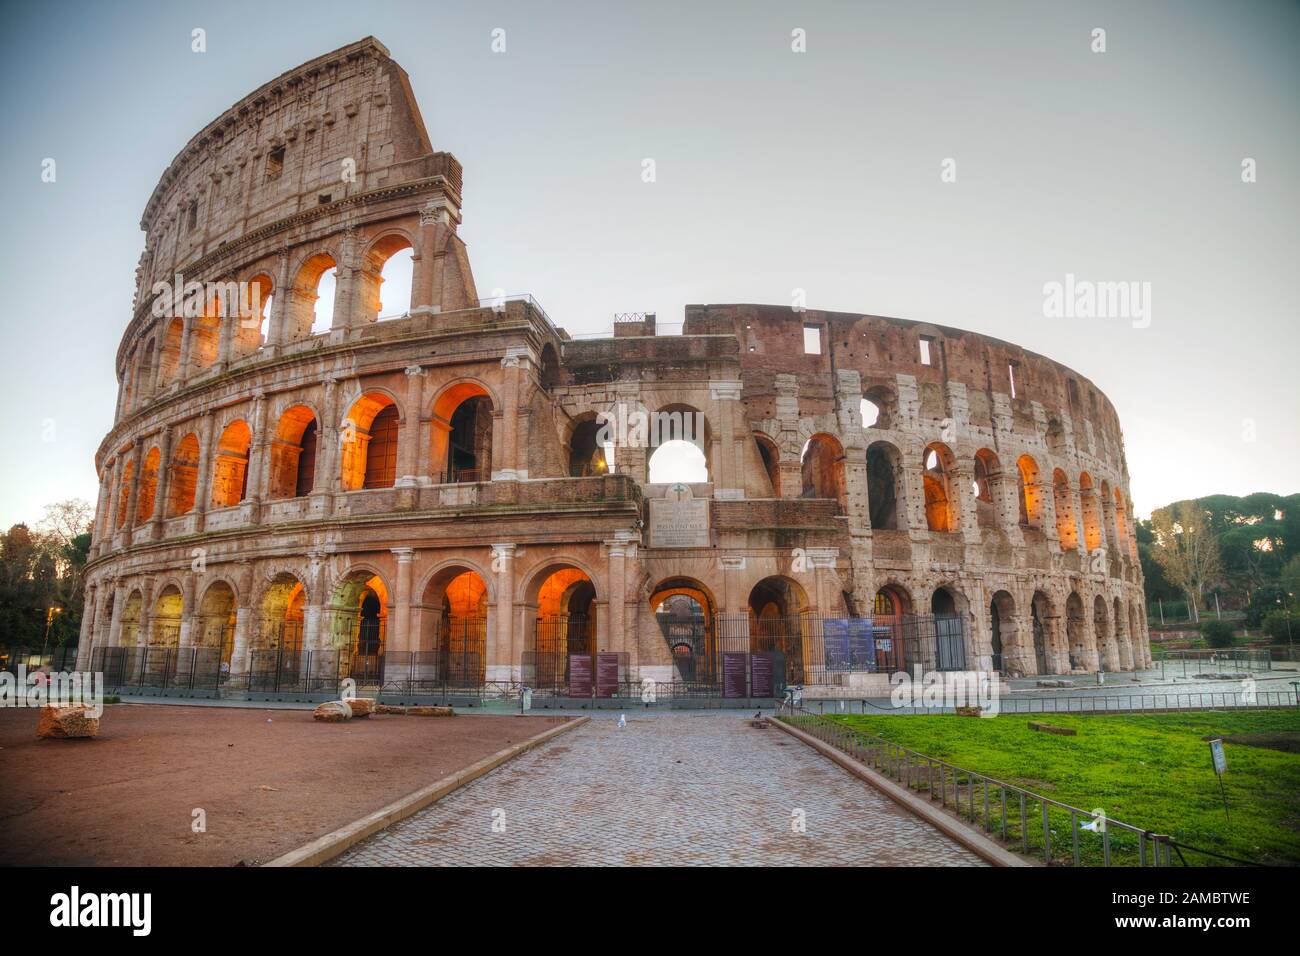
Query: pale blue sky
(775, 171)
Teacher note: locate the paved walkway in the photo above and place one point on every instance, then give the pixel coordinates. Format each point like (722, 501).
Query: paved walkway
(681, 789)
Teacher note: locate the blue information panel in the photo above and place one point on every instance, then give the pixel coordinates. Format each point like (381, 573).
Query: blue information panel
(849, 644)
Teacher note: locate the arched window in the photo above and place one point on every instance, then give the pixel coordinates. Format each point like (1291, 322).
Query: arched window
(170, 360)
(987, 467)
(381, 454)
(144, 499)
(310, 309)
(1031, 493)
(369, 443)
(293, 454)
(230, 472)
(184, 476)
(205, 336)
(870, 412)
(460, 449)
(124, 493)
(941, 512)
(680, 439)
(884, 493)
(386, 280)
(877, 407)
(587, 457)
(822, 468)
(254, 310)
(771, 457)
(469, 445)
(678, 461)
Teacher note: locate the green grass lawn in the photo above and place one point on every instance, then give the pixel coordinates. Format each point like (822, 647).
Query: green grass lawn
(1148, 770)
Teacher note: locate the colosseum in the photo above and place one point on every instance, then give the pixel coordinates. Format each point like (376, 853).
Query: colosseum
(461, 494)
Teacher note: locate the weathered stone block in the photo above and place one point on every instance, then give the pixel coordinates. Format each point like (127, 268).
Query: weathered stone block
(430, 712)
(361, 706)
(333, 711)
(66, 722)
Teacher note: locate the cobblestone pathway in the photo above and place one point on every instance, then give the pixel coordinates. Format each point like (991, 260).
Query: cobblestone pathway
(666, 789)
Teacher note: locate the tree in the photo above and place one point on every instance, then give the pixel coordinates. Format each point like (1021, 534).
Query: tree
(1186, 548)
(1218, 633)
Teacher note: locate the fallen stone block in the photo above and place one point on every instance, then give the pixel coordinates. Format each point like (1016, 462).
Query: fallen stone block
(1052, 729)
(1054, 683)
(969, 711)
(332, 712)
(66, 722)
(389, 709)
(430, 712)
(361, 706)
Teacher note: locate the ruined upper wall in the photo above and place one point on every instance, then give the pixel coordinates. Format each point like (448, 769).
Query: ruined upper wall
(772, 342)
(284, 148)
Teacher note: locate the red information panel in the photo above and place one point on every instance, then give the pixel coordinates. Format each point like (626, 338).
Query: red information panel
(579, 675)
(764, 684)
(733, 675)
(606, 675)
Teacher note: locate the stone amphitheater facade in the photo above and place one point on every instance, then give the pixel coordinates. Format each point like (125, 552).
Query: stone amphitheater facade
(266, 481)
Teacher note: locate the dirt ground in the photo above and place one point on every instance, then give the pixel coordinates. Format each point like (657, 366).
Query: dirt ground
(268, 780)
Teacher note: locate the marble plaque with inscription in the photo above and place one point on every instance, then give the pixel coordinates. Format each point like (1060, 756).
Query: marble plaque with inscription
(679, 520)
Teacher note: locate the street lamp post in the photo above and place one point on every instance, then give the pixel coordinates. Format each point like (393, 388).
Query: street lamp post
(50, 614)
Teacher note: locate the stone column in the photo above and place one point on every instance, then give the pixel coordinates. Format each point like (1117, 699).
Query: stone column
(423, 293)
(115, 623)
(963, 474)
(184, 360)
(503, 657)
(408, 446)
(160, 340)
(203, 480)
(327, 453)
(86, 639)
(616, 639)
(137, 455)
(276, 333)
(258, 461)
(239, 653)
(185, 639)
(314, 611)
(103, 532)
(727, 479)
(162, 484)
(401, 640)
(516, 363)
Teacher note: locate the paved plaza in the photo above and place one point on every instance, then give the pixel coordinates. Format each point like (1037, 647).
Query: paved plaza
(667, 789)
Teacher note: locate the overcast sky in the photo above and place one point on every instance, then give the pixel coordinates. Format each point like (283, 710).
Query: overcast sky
(775, 170)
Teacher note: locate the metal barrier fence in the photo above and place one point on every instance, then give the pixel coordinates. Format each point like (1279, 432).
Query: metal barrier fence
(1085, 704)
(210, 669)
(1188, 663)
(1020, 818)
(813, 649)
(55, 658)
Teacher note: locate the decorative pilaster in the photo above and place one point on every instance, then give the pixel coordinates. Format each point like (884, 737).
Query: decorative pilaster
(502, 653)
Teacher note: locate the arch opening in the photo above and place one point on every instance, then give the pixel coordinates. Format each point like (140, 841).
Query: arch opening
(368, 456)
(230, 470)
(454, 627)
